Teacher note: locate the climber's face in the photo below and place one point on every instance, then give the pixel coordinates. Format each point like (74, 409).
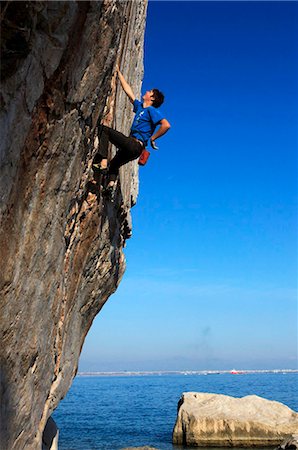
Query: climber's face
(148, 96)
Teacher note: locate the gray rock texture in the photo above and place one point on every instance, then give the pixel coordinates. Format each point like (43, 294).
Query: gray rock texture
(208, 420)
(290, 443)
(50, 435)
(61, 241)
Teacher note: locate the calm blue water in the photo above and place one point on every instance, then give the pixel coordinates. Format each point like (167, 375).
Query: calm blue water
(109, 413)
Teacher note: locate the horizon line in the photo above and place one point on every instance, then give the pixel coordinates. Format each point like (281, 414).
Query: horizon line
(184, 372)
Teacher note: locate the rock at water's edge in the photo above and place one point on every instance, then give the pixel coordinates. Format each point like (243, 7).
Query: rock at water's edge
(219, 420)
(50, 435)
(289, 444)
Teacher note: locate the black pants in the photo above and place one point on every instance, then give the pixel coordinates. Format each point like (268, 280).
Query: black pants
(128, 149)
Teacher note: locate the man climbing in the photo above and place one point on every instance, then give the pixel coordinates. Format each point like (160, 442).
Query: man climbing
(147, 118)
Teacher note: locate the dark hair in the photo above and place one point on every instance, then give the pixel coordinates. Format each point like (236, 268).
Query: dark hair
(158, 98)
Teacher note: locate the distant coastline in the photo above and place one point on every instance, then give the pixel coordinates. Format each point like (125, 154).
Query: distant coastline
(183, 372)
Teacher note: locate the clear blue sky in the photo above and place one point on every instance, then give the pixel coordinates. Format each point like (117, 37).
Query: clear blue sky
(212, 264)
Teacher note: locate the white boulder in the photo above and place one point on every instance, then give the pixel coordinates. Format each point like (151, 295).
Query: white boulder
(206, 420)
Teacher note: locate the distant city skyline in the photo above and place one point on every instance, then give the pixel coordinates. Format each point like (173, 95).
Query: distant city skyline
(187, 372)
(211, 279)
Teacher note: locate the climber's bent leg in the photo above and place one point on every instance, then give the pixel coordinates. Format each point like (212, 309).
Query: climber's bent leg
(128, 148)
(106, 135)
(123, 156)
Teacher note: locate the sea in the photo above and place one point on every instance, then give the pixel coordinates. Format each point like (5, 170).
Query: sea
(114, 411)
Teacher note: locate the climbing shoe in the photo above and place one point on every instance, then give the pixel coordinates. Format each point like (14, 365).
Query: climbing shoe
(102, 171)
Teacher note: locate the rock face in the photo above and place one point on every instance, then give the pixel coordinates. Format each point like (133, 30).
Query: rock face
(61, 242)
(206, 420)
(50, 436)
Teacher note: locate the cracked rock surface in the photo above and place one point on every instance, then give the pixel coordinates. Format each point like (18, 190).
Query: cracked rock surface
(61, 241)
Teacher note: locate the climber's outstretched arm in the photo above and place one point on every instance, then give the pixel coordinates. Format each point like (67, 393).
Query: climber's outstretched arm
(127, 89)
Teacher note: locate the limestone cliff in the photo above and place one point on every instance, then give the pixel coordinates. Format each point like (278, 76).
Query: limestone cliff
(61, 242)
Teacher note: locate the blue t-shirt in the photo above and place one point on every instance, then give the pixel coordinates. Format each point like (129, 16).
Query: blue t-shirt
(145, 121)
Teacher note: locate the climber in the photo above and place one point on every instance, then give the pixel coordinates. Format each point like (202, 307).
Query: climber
(147, 118)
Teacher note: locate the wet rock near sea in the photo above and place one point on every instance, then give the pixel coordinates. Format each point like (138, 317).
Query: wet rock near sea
(290, 443)
(208, 420)
(50, 435)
